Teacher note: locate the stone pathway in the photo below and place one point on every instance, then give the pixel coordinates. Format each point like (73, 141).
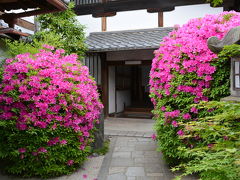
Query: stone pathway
(133, 154)
(133, 158)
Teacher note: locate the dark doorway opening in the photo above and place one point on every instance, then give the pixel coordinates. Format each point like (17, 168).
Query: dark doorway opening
(132, 91)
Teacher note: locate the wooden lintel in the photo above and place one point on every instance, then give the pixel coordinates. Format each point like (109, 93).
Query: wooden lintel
(106, 14)
(156, 10)
(25, 24)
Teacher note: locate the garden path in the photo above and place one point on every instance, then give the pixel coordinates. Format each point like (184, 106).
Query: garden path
(133, 154)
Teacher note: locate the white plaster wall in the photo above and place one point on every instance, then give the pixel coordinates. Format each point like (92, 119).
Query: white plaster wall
(111, 89)
(123, 96)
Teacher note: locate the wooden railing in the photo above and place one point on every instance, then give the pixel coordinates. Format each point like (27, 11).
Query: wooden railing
(87, 2)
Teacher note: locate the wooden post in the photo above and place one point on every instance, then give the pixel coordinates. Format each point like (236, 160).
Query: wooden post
(160, 19)
(104, 83)
(104, 24)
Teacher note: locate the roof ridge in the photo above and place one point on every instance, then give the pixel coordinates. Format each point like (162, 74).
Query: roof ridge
(133, 30)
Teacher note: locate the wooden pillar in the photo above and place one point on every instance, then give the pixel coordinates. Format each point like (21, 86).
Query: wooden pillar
(104, 24)
(104, 83)
(160, 19)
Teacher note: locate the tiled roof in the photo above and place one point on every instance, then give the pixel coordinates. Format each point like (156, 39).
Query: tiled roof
(126, 40)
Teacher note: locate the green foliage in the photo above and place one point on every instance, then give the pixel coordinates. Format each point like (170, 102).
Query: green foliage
(169, 143)
(103, 150)
(34, 44)
(65, 25)
(60, 30)
(57, 156)
(215, 2)
(221, 84)
(216, 154)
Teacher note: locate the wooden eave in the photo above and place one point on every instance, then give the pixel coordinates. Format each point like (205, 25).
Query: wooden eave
(100, 8)
(7, 5)
(38, 6)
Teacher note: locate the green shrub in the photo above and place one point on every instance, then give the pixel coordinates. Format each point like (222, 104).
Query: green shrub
(215, 150)
(184, 71)
(49, 106)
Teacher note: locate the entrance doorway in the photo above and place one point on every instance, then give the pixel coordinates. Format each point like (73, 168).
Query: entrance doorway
(129, 87)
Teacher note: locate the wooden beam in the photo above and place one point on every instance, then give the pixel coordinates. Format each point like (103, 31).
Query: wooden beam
(104, 24)
(107, 14)
(8, 1)
(160, 19)
(128, 5)
(155, 10)
(25, 24)
(12, 31)
(7, 16)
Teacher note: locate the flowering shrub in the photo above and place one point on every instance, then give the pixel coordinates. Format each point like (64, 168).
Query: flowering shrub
(48, 108)
(184, 71)
(216, 154)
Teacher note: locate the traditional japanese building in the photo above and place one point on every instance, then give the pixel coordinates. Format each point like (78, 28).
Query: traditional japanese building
(120, 62)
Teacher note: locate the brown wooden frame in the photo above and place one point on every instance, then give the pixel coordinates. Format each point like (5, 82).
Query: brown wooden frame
(104, 7)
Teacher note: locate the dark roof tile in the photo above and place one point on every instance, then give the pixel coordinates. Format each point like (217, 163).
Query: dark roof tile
(126, 40)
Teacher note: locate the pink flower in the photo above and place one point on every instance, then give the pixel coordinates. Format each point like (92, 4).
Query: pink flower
(53, 141)
(180, 132)
(210, 146)
(82, 147)
(187, 116)
(42, 150)
(70, 162)
(34, 153)
(40, 124)
(84, 176)
(86, 134)
(194, 110)
(208, 78)
(22, 150)
(154, 137)
(175, 95)
(174, 123)
(225, 138)
(54, 126)
(48, 47)
(163, 108)
(63, 141)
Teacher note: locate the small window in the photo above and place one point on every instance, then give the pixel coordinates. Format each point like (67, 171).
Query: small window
(236, 74)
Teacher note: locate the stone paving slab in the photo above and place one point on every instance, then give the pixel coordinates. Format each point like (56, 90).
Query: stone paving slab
(128, 133)
(140, 161)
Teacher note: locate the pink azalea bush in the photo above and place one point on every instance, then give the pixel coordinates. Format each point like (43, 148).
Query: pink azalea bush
(49, 106)
(184, 71)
